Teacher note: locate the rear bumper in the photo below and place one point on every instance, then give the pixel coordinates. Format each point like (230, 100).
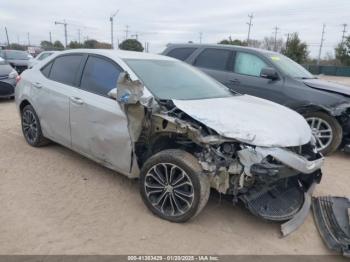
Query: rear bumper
(7, 87)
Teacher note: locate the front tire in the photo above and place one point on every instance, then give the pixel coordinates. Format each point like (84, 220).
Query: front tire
(173, 185)
(31, 127)
(327, 131)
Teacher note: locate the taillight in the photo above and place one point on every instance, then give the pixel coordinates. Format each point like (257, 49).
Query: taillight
(18, 78)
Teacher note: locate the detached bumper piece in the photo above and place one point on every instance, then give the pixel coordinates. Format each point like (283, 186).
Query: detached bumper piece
(331, 216)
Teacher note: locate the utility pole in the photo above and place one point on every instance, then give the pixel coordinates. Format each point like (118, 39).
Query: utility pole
(135, 35)
(200, 37)
(79, 35)
(321, 44)
(50, 37)
(287, 43)
(28, 39)
(249, 26)
(344, 32)
(111, 19)
(65, 31)
(275, 45)
(126, 32)
(7, 37)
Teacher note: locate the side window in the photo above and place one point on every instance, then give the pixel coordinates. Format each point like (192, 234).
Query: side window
(248, 64)
(65, 68)
(181, 53)
(99, 76)
(46, 69)
(43, 56)
(213, 59)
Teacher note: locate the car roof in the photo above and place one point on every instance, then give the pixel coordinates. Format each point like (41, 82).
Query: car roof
(121, 54)
(235, 47)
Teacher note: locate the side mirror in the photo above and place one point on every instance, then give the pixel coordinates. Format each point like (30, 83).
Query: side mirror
(113, 93)
(127, 91)
(269, 73)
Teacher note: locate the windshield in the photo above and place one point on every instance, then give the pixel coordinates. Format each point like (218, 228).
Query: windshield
(289, 67)
(16, 55)
(176, 80)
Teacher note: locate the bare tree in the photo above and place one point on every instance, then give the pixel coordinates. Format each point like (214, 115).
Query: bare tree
(269, 43)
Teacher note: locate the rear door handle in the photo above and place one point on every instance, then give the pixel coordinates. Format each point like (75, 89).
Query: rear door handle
(77, 100)
(37, 85)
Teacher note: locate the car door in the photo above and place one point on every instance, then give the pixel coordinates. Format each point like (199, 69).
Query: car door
(214, 62)
(51, 90)
(245, 78)
(99, 126)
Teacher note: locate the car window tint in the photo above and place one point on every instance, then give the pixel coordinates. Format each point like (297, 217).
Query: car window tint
(213, 59)
(46, 69)
(248, 64)
(100, 76)
(181, 53)
(65, 68)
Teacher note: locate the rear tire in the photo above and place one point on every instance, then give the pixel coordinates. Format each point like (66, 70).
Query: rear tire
(31, 127)
(173, 185)
(327, 122)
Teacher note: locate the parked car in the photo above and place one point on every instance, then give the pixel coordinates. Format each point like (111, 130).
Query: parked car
(19, 60)
(272, 76)
(40, 57)
(176, 129)
(7, 80)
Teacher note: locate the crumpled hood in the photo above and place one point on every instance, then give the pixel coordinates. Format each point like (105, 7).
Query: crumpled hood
(328, 86)
(249, 119)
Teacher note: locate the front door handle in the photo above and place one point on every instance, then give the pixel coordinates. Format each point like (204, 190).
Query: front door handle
(37, 85)
(234, 81)
(77, 100)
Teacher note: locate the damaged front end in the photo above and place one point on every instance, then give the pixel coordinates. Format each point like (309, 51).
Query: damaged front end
(274, 183)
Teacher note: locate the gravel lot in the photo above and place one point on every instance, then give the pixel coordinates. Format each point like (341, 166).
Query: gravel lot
(54, 201)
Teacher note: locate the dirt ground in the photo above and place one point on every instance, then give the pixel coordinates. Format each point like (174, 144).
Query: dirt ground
(54, 201)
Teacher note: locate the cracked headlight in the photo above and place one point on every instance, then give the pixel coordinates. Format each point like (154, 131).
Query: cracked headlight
(13, 74)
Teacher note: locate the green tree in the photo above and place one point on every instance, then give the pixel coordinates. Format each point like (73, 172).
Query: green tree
(296, 49)
(131, 45)
(229, 41)
(91, 43)
(58, 45)
(75, 44)
(46, 45)
(342, 52)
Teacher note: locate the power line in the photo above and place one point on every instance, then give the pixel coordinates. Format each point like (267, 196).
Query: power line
(321, 45)
(249, 26)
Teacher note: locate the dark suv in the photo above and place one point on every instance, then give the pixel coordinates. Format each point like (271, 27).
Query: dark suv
(270, 75)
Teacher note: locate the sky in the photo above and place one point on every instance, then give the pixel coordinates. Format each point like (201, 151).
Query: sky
(175, 21)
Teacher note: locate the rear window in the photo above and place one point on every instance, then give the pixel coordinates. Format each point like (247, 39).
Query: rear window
(181, 53)
(213, 59)
(65, 68)
(46, 69)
